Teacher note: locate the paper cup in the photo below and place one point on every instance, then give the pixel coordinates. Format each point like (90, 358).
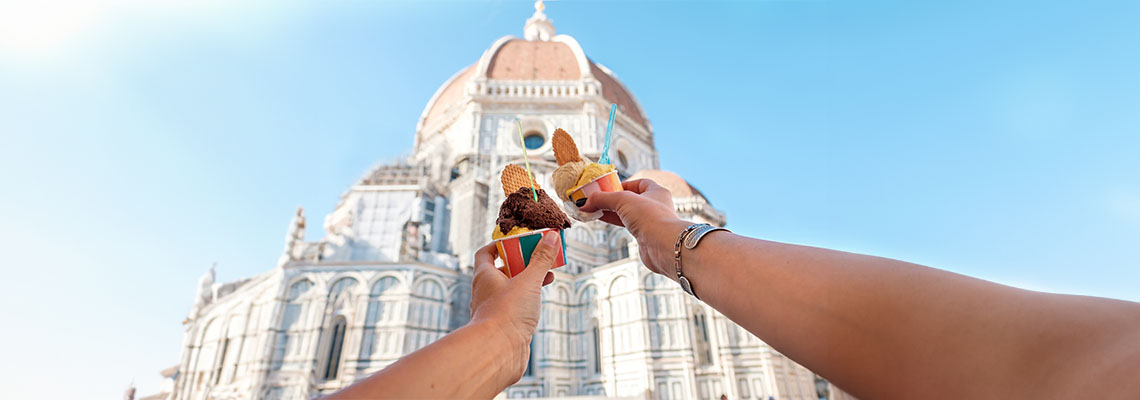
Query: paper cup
(605, 183)
(516, 250)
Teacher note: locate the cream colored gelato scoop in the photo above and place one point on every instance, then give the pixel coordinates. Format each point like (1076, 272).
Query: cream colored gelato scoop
(566, 176)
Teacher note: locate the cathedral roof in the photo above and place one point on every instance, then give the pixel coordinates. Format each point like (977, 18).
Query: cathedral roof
(449, 95)
(519, 59)
(687, 200)
(541, 56)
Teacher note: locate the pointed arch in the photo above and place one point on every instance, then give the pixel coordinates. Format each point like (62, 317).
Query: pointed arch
(341, 291)
(428, 313)
(296, 298)
(618, 285)
(333, 349)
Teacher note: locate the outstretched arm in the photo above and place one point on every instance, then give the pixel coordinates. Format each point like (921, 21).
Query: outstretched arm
(882, 328)
(482, 358)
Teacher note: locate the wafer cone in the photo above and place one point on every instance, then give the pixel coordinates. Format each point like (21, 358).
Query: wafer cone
(514, 178)
(564, 148)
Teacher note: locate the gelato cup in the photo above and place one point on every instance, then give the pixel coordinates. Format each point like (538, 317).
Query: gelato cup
(516, 250)
(608, 182)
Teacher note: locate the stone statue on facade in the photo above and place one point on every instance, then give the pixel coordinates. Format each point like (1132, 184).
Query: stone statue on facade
(295, 236)
(205, 293)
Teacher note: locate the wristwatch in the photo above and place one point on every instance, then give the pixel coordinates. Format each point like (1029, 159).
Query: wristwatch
(690, 237)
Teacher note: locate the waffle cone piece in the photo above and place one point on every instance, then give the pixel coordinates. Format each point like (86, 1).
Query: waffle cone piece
(514, 178)
(564, 148)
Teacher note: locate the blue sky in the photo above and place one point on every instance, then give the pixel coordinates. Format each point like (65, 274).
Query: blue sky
(142, 142)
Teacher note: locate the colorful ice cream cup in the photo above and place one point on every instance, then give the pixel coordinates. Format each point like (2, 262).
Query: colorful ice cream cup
(608, 182)
(516, 250)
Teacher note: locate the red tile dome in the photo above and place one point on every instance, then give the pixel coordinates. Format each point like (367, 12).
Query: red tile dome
(514, 59)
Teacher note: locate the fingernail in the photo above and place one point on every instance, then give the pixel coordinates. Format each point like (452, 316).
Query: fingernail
(550, 237)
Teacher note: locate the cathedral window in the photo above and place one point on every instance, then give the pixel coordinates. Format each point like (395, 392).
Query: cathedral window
(595, 348)
(335, 345)
(379, 311)
(208, 351)
(292, 314)
(701, 338)
(221, 361)
(534, 140)
(620, 249)
(431, 310)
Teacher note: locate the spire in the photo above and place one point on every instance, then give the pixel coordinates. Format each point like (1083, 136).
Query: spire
(538, 27)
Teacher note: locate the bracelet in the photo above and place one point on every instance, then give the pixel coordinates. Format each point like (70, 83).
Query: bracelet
(691, 236)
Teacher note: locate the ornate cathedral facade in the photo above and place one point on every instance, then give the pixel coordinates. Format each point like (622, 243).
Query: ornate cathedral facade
(393, 271)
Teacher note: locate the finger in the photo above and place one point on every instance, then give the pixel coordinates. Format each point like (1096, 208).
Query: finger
(486, 255)
(648, 188)
(548, 279)
(608, 200)
(485, 260)
(542, 259)
(637, 185)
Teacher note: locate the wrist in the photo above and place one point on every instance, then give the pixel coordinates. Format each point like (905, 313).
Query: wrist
(506, 347)
(663, 238)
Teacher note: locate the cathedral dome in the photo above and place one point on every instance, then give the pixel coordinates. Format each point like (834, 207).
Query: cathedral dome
(675, 183)
(687, 200)
(540, 56)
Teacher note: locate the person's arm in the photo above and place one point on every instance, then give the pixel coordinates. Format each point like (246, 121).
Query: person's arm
(482, 358)
(882, 328)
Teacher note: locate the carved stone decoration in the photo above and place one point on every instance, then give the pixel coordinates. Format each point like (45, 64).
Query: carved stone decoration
(205, 293)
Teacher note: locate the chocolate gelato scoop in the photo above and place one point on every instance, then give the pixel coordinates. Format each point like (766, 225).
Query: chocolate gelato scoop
(519, 209)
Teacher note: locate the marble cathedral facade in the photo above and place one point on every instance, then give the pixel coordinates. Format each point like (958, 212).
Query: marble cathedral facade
(393, 272)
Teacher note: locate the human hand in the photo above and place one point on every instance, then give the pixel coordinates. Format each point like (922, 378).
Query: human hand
(512, 306)
(646, 209)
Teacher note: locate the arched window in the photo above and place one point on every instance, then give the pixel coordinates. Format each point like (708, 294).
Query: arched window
(376, 308)
(430, 311)
(339, 299)
(294, 305)
(221, 360)
(379, 313)
(595, 348)
(208, 352)
(701, 345)
(335, 345)
(620, 249)
(231, 350)
(338, 289)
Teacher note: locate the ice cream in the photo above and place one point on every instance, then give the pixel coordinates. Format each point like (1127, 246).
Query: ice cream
(575, 172)
(520, 213)
(498, 234)
(593, 171)
(524, 217)
(566, 176)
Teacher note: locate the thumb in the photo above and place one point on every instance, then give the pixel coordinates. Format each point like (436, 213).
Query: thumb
(542, 259)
